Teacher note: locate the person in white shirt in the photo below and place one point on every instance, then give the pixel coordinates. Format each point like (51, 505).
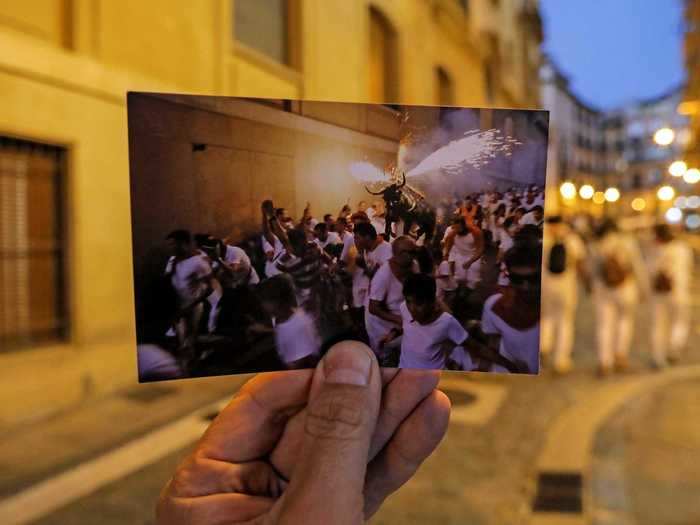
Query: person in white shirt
(271, 244)
(464, 248)
(564, 264)
(619, 279)
(386, 296)
(446, 285)
(671, 268)
(510, 318)
(428, 334)
(326, 240)
(191, 276)
(534, 216)
(372, 248)
(297, 341)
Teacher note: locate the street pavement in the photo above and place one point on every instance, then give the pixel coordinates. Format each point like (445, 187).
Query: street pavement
(485, 471)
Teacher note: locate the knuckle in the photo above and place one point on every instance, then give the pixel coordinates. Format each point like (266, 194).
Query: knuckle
(339, 413)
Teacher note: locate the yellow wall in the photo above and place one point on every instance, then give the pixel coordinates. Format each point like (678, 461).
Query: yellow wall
(65, 68)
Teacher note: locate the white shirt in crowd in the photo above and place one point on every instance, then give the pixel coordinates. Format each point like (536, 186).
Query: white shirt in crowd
(567, 281)
(444, 280)
(333, 238)
(236, 255)
(296, 337)
(381, 254)
(186, 277)
(387, 289)
(277, 251)
(521, 346)
(675, 260)
(529, 218)
(427, 345)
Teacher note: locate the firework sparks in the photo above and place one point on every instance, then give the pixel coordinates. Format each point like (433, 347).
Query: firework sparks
(475, 148)
(367, 172)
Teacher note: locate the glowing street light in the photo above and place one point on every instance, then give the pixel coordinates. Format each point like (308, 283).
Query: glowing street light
(664, 136)
(678, 168)
(674, 215)
(666, 193)
(599, 197)
(586, 191)
(692, 176)
(612, 195)
(638, 204)
(568, 190)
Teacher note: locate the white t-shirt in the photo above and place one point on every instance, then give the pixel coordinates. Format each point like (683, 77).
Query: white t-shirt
(445, 281)
(529, 218)
(379, 224)
(520, 346)
(675, 260)
(297, 337)
(333, 238)
(387, 289)
(565, 282)
(506, 244)
(348, 243)
(277, 251)
(187, 275)
(381, 254)
(426, 346)
(236, 255)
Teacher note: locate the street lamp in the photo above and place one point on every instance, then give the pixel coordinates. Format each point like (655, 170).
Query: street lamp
(664, 136)
(568, 190)
(678, 168)
(612, 195)
(599, 197)
(692, 176)
(586, 191)
(674, 215)
(638, 204)
(666, 193)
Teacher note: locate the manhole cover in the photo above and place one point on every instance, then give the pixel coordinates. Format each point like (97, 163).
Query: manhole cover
(558, 492)
(148, 393)
(460, 397)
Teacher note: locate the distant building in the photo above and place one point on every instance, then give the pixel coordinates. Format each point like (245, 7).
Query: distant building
(691, 96)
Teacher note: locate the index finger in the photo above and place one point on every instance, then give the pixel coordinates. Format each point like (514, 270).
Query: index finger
(252, 423)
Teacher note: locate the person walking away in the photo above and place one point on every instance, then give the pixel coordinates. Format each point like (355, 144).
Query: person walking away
(620, 279)
(564, 263)
(671, 271)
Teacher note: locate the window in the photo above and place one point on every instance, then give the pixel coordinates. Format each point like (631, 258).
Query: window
(383, 69)
(264, 25)
(32, 244)
(444, 88)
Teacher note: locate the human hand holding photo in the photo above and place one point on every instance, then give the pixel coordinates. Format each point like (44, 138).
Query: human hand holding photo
(323, 446)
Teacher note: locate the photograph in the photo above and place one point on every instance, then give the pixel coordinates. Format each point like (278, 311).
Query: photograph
(266, 230)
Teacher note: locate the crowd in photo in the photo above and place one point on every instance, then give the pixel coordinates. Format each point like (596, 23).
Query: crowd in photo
(460, 291)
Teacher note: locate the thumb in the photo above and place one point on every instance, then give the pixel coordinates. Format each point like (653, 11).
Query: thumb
(328, 482)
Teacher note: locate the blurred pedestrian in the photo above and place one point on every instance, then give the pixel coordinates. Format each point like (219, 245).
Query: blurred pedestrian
(671, 272)
(564, 263)
(620, 280)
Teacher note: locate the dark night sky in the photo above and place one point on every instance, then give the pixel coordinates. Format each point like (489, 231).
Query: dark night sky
(616, 51)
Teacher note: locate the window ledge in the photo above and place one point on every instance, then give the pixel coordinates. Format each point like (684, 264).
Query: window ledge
(262, 61)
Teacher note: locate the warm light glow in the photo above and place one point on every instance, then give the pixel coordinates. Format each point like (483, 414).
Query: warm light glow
(680, 202)
(599, 197)
(678, 168)
(568, 190)
(586, 191)
(612, 195)
(638, 204)
(666, 193)
(692, 176)
(693, 202)
(674, 215)
(664, 136)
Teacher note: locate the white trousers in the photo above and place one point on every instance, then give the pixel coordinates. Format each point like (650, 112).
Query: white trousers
(557, 325)
(615, 309)
(670, 328)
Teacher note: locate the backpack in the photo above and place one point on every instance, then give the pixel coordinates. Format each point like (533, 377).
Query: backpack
(557, 258)
(613, 271)
(663, 283)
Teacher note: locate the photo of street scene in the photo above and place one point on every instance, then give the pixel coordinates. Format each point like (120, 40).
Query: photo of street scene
(266, 230)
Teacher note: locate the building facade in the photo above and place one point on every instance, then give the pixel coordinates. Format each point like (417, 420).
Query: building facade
(691, 96)
(66, 300)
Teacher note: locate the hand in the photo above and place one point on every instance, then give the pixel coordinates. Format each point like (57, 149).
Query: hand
(310, 446)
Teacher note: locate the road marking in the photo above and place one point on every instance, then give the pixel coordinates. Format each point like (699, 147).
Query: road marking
(62, 489)
(489, 398)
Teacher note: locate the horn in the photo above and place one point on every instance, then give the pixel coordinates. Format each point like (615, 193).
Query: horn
(373, 193)
(403, 182)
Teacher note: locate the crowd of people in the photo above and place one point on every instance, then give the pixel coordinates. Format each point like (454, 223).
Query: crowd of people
(462, 293)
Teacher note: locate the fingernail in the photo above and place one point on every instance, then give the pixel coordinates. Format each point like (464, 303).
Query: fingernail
(347, 365)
